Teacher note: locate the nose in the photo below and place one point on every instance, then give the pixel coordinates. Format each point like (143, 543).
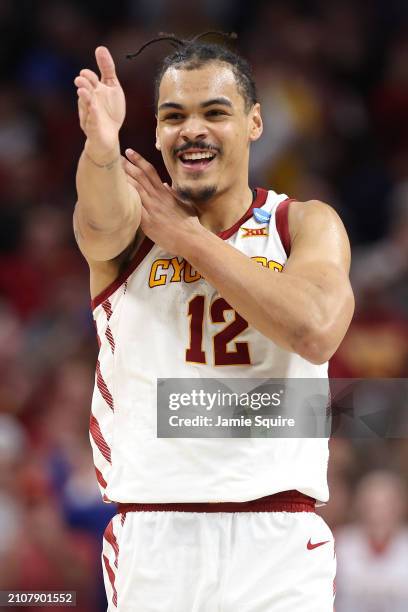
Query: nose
(194, 128)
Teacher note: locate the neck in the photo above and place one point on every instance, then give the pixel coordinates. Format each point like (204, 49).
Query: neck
(224, 209)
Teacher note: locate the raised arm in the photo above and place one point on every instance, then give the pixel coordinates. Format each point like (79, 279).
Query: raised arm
(107, 213)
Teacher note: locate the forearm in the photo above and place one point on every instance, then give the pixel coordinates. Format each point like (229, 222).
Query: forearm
(306, 308)
(284, 308)
(105, 200)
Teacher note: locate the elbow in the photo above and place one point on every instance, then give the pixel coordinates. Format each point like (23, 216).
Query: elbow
(320, 339)
(316, 346)
(121, 223)
(315, 352)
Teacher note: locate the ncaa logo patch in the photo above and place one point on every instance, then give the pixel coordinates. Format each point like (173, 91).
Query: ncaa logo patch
(261, 216)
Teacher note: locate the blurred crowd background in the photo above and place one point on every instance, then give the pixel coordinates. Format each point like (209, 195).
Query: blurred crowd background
(333, 82)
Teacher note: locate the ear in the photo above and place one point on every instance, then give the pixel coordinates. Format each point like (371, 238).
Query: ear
(157, 140)
(255, 125)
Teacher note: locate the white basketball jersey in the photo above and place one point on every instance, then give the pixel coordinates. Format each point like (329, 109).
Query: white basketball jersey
(161, 319)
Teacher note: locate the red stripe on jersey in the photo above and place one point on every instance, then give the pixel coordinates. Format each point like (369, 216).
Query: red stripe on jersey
(123, 519)
(111, 539)
(282, 224)
(111, 576)
(258, 201)
(109, 336)
(98, 438)
(107, 306)
(100, 478)
(102, 386)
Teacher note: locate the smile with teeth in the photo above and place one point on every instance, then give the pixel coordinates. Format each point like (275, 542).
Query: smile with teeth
(197, 158)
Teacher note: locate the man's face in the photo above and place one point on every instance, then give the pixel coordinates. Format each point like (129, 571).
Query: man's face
(203, 130)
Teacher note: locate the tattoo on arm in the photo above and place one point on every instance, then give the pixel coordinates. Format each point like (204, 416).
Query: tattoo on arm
(108, 166)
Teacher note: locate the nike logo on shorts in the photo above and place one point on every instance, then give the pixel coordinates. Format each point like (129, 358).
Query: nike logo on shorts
(311, 546)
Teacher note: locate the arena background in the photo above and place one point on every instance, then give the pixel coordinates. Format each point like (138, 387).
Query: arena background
(333, 83)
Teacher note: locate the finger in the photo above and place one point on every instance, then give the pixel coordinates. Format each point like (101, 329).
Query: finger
(144, 196)
(90, 75)
(171, 190)
(84, 96)
(83, 113)
(82, 105)
(139, 175)
(106, 66)
(144, 220)
(143, 180)
(183, 202)
(129, 176)
(130, 170)
(131, 182)
(148, 169)
(83, 82)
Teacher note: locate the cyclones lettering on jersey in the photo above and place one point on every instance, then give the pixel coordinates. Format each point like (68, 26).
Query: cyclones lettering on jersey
(175, 271)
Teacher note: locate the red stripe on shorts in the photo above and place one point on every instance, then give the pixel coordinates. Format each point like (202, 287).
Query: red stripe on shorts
(111, 539)
(111, 576)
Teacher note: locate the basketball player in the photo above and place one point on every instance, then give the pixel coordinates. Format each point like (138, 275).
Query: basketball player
(204, 278)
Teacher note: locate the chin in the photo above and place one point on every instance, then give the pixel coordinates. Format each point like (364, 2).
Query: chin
(197, 194)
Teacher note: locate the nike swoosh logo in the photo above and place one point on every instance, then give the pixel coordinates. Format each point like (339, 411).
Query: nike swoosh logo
(311, 546)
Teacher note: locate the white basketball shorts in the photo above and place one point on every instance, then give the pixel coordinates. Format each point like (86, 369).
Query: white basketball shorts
(181, 561)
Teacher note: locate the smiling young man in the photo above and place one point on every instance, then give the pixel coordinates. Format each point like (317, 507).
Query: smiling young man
(184, 284)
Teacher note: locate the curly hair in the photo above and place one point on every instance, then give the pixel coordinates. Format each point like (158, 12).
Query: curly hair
(191, 54)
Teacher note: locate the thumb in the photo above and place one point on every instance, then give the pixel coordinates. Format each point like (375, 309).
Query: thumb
(106, 65)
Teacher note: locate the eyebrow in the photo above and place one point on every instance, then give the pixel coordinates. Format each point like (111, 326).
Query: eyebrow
(222, 101)
(219, 101)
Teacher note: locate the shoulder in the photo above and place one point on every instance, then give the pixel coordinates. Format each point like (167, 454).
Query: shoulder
(315, 220)
(311, 211)
(316, 231)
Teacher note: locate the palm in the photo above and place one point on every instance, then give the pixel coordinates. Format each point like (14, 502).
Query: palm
(101, 103)
(106, 116)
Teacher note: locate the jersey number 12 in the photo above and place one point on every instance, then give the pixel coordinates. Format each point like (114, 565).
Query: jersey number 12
(222, 356)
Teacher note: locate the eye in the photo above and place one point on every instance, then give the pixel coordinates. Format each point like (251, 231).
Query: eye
(216, 112)
(173, 117)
